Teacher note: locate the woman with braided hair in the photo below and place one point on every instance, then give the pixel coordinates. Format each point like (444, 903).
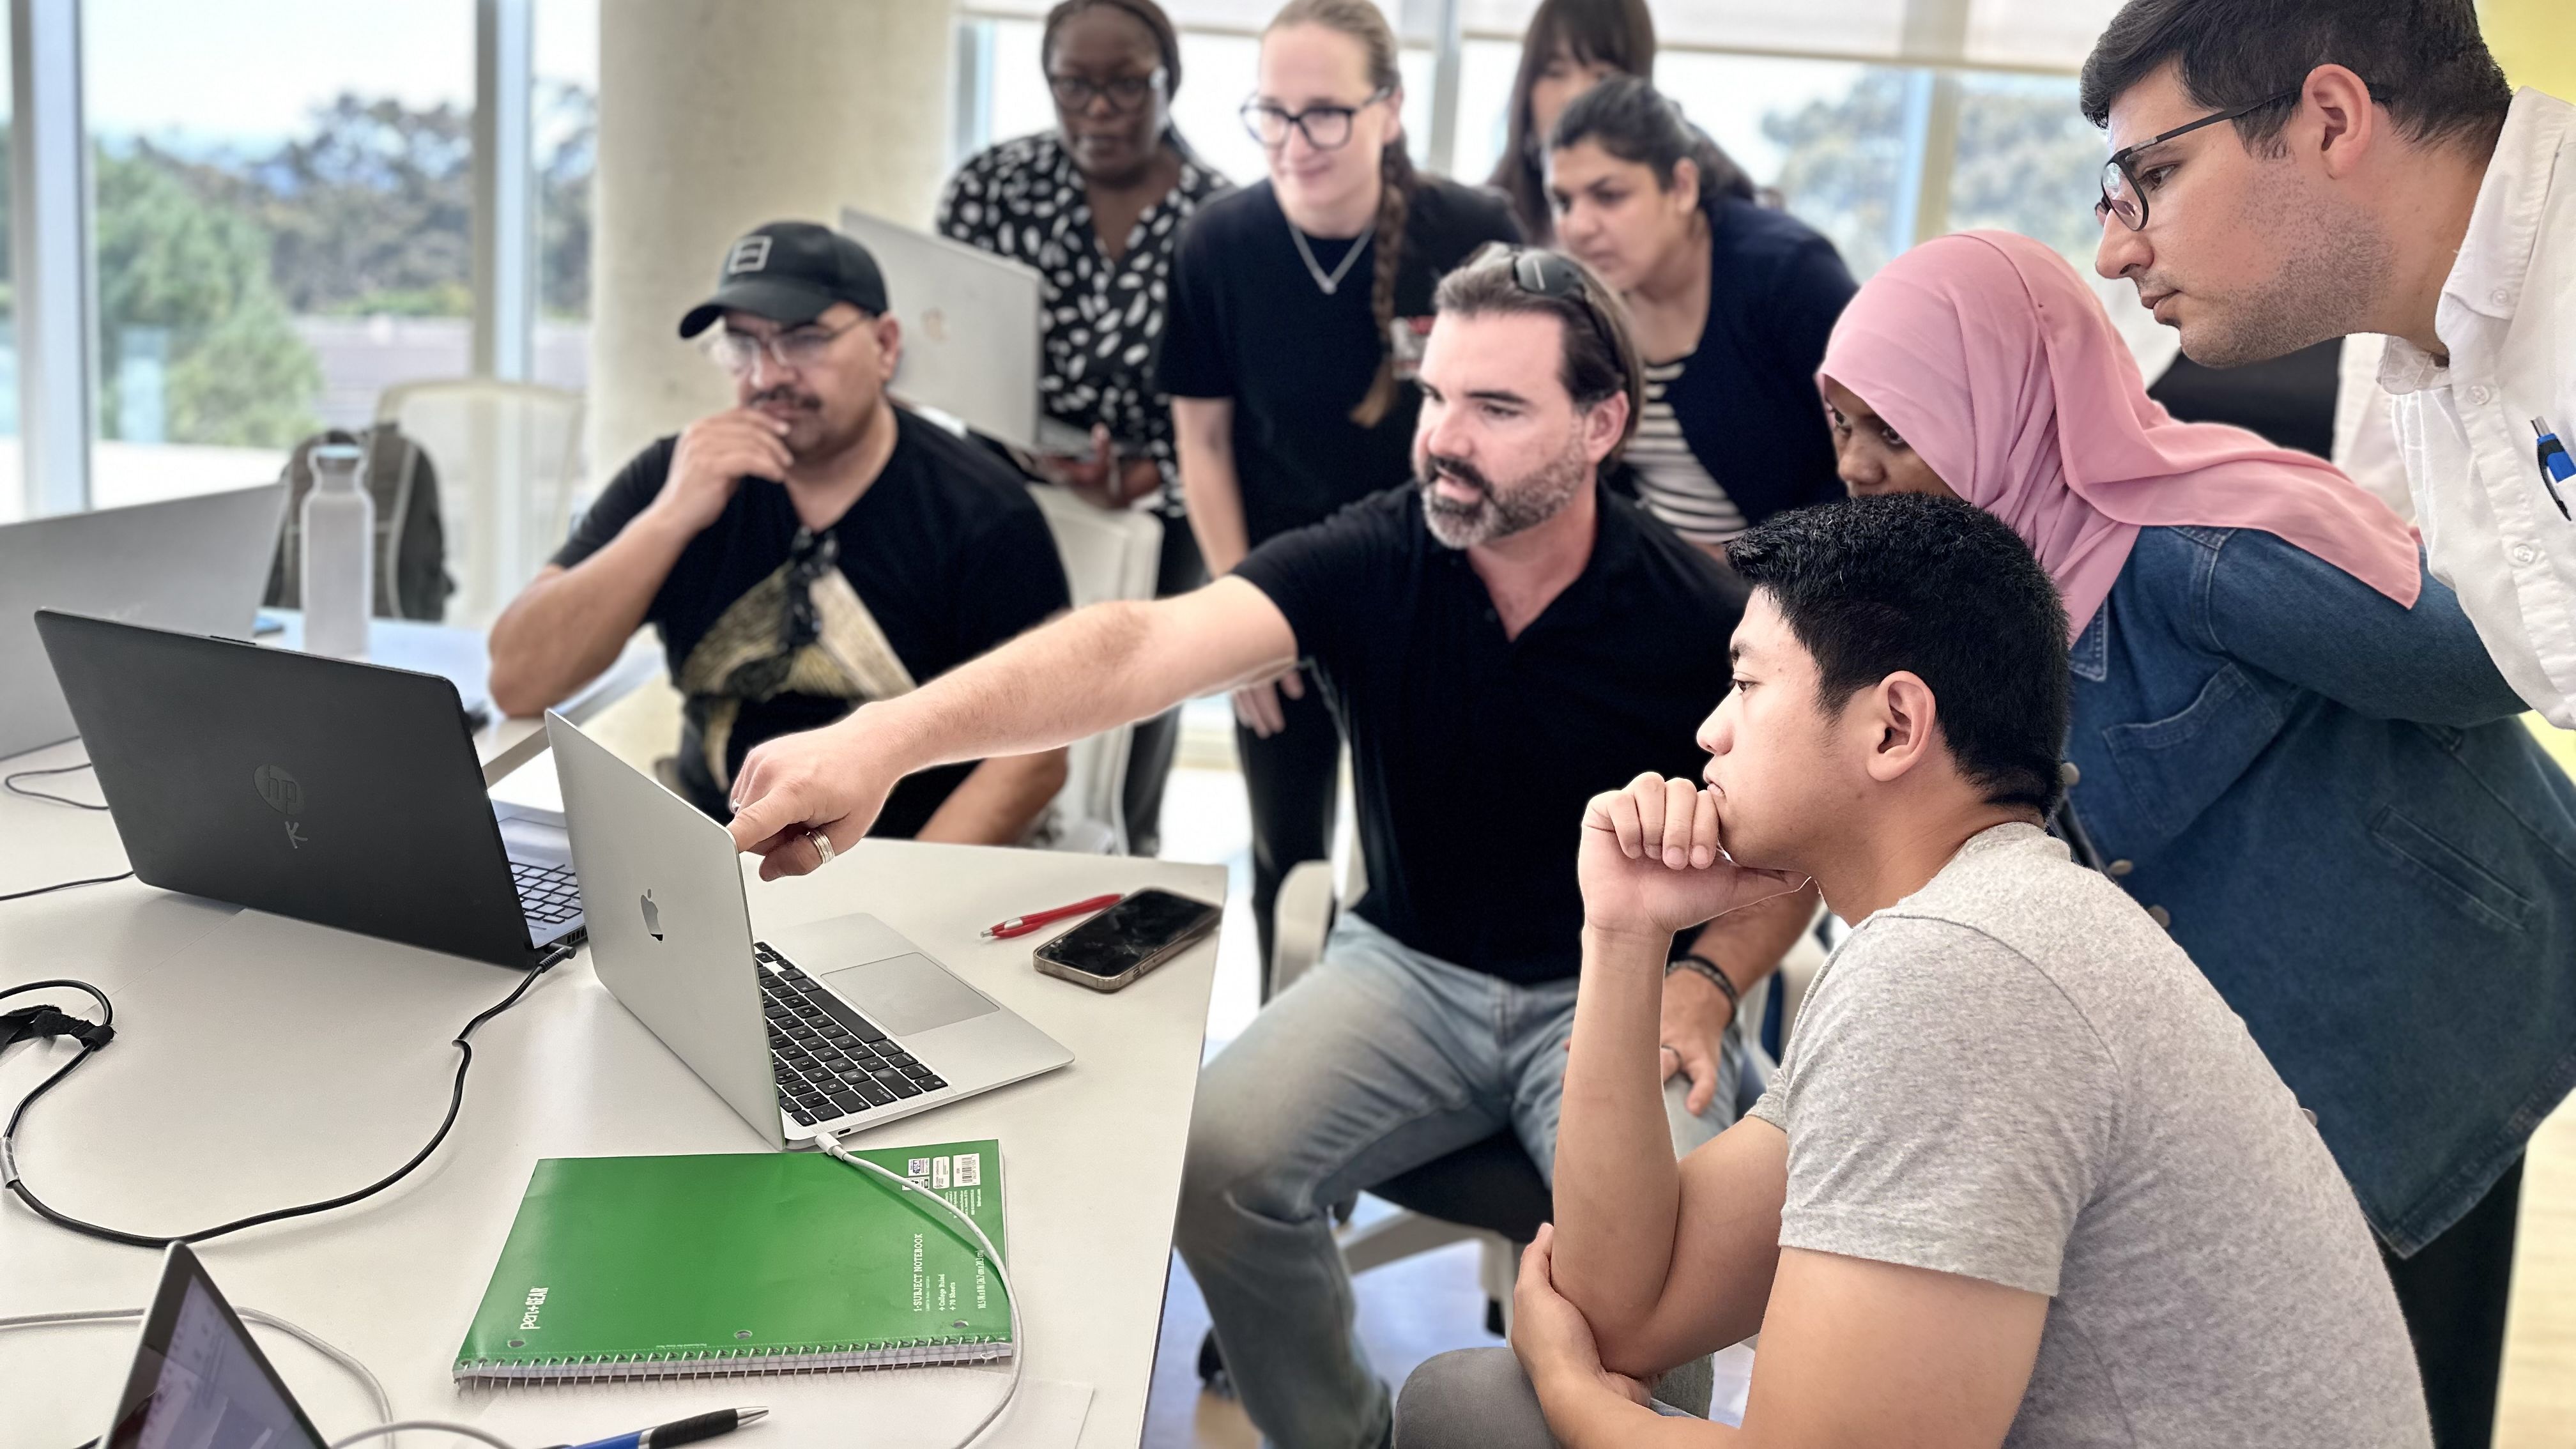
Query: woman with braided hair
(1298, 307)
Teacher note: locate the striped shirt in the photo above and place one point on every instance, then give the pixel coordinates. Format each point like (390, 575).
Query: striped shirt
(1671, 481)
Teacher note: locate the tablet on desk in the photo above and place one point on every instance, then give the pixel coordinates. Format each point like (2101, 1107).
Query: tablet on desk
(198, 1378)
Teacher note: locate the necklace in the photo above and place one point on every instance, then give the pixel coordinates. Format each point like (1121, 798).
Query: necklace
(1331, 281)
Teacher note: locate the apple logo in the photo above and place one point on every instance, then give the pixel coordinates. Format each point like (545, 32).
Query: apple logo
(652, 916)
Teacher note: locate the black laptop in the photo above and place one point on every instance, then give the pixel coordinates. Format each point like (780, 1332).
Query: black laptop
(333, 791)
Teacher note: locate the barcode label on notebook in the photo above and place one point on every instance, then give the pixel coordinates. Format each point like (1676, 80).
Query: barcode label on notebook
(969, 1170)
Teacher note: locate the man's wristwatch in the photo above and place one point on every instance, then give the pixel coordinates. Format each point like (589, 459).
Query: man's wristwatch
(1702, 966)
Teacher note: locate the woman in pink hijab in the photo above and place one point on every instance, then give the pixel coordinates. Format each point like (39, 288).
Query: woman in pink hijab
(2290, 746)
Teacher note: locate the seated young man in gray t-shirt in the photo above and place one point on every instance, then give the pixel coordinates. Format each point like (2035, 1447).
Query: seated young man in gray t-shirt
(2024, 1179)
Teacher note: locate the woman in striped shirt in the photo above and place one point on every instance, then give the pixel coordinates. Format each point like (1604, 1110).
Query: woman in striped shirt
(1732, 304)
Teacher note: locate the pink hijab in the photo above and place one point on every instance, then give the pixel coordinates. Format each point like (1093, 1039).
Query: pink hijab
(1987, 354)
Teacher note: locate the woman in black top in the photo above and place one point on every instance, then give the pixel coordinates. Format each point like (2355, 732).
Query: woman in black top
(1097, 206)
(1299, 306)
(1732, 303)
(1570, 47)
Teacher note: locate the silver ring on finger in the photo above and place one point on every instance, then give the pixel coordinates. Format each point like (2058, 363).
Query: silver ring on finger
(822, 847)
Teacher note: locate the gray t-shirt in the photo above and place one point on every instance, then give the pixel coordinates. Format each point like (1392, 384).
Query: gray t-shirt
(2013, 1075)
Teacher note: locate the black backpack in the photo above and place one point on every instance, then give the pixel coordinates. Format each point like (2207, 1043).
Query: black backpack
(411, 541)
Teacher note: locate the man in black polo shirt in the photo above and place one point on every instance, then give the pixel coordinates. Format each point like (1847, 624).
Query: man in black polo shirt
(1500, 641)
(807, 550)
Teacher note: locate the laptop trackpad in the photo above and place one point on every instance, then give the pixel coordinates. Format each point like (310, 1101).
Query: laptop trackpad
(909, 994)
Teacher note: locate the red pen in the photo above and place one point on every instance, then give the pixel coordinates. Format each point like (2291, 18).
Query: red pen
(1022, 925)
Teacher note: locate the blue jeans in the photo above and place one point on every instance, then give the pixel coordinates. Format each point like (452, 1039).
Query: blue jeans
(1378, 1060)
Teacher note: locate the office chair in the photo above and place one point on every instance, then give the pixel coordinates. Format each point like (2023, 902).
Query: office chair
(508, 456)
(1489, 1192)
(1106, 556)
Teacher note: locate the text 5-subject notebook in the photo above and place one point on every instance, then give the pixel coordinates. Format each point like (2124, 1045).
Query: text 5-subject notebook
(763, 1262)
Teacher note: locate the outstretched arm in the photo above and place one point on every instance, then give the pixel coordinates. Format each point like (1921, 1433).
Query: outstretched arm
(1091, 670)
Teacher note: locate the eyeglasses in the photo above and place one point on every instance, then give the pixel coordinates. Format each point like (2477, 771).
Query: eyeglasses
(1126, 93)
(1543, 273)
(1327, 128)
(794, 349)
(2124, 198)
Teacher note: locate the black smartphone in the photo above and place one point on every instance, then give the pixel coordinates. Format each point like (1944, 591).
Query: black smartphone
(1127, 940)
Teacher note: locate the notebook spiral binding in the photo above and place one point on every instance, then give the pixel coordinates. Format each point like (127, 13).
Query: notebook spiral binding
(736, 1362)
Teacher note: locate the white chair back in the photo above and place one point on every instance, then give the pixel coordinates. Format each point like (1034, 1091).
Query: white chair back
(1106, 556)
(508, 456)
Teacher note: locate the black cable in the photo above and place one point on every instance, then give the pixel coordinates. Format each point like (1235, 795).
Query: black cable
(66, 885)
(17, 1185)
(10, 783)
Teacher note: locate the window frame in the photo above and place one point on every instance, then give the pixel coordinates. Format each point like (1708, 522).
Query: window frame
(52, 238)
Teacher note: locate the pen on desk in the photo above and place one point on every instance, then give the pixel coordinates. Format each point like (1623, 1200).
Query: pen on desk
(2555, 466)
(1022, 925)
(680, 1431)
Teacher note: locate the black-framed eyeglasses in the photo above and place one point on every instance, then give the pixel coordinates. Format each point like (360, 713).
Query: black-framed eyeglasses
(1126, 93)
(1327, 128)
(1552, 275)
(2124, 198)
(795, 348)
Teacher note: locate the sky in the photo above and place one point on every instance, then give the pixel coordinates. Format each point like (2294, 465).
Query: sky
(250, 71)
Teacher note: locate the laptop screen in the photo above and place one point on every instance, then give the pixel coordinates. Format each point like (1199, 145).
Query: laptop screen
(199, 1382)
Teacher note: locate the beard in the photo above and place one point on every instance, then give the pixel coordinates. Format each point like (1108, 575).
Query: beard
(1498, 512)
(2332, 263)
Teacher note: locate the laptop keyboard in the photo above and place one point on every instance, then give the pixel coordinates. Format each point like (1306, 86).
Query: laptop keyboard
(831, 1061)
(548, 894)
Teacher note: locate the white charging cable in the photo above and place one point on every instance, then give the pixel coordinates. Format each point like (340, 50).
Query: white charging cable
(311, 1340)
(831, 1146)
(467, 1430)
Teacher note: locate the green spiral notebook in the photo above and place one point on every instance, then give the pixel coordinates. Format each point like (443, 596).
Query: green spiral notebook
(764, 1262)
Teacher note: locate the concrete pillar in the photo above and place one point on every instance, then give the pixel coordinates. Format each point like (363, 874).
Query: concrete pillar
(718, 115)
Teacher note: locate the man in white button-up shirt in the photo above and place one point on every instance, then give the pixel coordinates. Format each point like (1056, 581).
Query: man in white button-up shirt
(2295, 170)
(2384, 180)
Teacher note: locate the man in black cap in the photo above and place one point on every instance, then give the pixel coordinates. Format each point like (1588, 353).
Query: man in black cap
(805, 551)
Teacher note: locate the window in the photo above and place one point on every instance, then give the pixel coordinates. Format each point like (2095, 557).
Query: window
(2027, 161)
(563, 133)
(1829, 138)
(273, 249)
(1219, 71)
(1847, 143)
(13, 492)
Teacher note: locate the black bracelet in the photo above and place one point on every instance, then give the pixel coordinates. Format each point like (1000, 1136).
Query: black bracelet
(1700, 965)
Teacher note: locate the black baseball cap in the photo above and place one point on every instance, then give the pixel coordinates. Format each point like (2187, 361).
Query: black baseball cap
(789, 272)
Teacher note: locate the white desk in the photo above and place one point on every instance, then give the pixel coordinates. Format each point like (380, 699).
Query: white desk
(311, 1062)
(463, 657)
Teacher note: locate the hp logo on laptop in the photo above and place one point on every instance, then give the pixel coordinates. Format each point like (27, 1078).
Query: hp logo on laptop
(283, 792)
(285, 795)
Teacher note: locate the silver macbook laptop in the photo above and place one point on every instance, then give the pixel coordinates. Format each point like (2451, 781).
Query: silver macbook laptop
(837, 1026)
(970, 332)
(198, 565)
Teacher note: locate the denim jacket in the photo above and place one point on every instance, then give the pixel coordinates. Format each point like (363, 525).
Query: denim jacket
(2329, 802)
